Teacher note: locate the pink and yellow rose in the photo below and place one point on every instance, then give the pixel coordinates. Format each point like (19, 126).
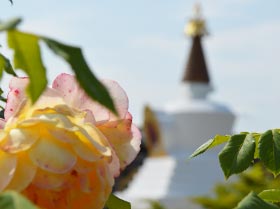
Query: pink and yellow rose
(65, 150)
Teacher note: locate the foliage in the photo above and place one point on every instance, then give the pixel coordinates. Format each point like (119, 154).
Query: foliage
(116, 203)
(156, 205)
(13, 200)
(253, 201)
(227, 195)
(241, 150)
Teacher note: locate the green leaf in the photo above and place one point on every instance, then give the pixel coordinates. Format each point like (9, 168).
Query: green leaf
(13, 200)
(1, 97)
(116, 203)
(27, 56)
(269, 150)
(217, 140)
(5, 65)
(10, 24)
(257, 137)
(238, 154)
(271, 195)
(87, 80)
(252, 201)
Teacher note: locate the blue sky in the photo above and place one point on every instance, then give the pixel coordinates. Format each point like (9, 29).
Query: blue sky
(141, 45)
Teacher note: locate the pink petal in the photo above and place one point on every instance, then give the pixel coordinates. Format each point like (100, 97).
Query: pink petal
(74, 96)
(2, 123)
(15, 96)
(50, 98)
(114, 165)
(119, 97)
(125, 139)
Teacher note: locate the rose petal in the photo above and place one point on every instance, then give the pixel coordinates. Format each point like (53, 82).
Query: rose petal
(2, 123)
(82, 149)
(52, 156)
(85, 183)
(98, 183)
(74, 96)
(47, 180)
(66, 84)
(24, 174)
(8, 165)
(114, 165)
(72, 93)
(63, 135)
(89, 147)
(18, 140)
(83, 166)
(78, 98)
(119, 97)
(15, 96)
(84, 152)
(125, 139)
(93, 138)
(50, 98)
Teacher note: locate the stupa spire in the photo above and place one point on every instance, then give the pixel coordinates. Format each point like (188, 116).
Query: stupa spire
(196, 68)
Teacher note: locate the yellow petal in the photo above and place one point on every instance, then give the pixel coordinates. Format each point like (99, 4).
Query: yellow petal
(8, 165)
(63, 135)
(18, 140)
(85, 152)
(52, 156)
(83, 166)
(93, 141)
(85, 183)
(47, 180)
(82, 149)
(24, 174)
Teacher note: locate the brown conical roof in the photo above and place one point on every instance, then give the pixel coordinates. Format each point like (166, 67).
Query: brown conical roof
(196, 68)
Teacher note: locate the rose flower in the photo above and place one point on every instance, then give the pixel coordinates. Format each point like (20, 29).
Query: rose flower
(65, 150)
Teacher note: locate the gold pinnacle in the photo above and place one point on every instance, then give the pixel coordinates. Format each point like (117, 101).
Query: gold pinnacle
(196, 26)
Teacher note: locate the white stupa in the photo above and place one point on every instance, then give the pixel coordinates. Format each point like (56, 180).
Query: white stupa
(175, 131)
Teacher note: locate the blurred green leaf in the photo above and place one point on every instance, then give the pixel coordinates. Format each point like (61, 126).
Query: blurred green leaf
(1, 97)
(10, 24)
(116, 203)
(27, 56)
(217, 140)
(269, 150)
(238, 154)
(270, 195)
(154, 204)
(87, 80)
(13, 200)
(226, 195)
(5, 65)
(252, 201)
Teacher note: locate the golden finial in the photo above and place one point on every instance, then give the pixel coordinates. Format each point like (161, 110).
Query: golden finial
(196, 26)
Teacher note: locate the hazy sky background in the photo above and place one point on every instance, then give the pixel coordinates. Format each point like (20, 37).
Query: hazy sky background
(141, 45)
